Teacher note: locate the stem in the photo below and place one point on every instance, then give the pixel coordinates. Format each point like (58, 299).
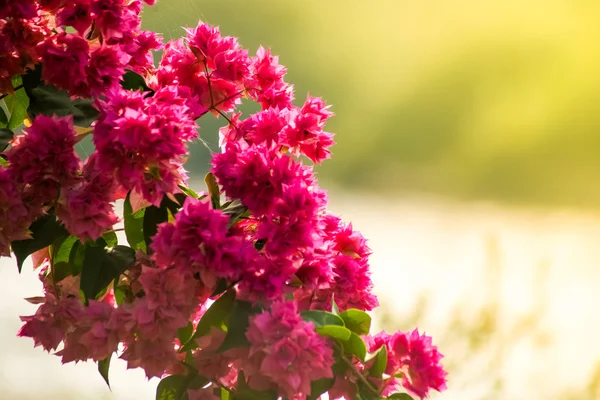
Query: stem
(357, 373)
(15, 89)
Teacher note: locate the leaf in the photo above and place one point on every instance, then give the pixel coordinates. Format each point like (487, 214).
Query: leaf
(213, 190)
(319, 387)
(366, 393)
(236, 210)
(170, 388)
(134, 226)
(185, 333)
(189, 192)
(174, 387)
(6, 135)
(379, 363)
(355, 346)
(44, 231)
(334, 307)
(61, 252)
(321, 318)
(76, 258)
(3, 116)
(244, 392)
(103, 366)
(102, 266)
(111, 239)
(400, 396)
(224, 394)
(216, 315)
(237, 325)
(357, 321)
(153, 216)
(16, 104)
(334, 331)
(48, 100)
(134, 81)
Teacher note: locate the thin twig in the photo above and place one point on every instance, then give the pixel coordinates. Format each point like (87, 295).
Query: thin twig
(15, 89)
(357, 373)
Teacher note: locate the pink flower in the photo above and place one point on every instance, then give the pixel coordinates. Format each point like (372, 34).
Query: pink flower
(25, 9)
(91, 337)
(86, 209)
(415, 358)
(143, 140)
(115, 17)
(76, 13)
(105, 68)
(286, 350)
(65, 57)
(56, 316)
(264, 179)
(14, 216)
(305, 134)
(139, 46)
(44, 159)
(199, 241)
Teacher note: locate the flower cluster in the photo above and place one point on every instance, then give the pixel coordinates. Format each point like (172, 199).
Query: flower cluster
(286, 352)
(107, 40)
(413, 362)
(252, 288)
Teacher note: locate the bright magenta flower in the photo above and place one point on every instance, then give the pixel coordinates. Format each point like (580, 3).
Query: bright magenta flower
(287, 351)
(413, 362)
(14, 216)
(144, 140)
(65, 57)
(86, 209)
(43, 160)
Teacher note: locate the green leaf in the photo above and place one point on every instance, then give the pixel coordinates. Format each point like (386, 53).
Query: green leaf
(134, 81)
(216, 316)
(366, 393)
(153, 216)
(175, 387)
(6, 135)
(379, 363)
(3, 116)
(355, 346)
(237, 325)
(213, 190)
(76, 258)
(244, 392)
(357, 321)
(111, 239)
(103, 366)
(120, 295)
(321, 318)
(334, 331)
(3, 162)
(236, 210)
(334, 307)
(44, 231)
(185, 333)
(134, 226)
(319, 387)
(61, 253)
(102, 266)
(48, 100)
(16, 104)
(399, 396)
(224, 394)
(189, 192)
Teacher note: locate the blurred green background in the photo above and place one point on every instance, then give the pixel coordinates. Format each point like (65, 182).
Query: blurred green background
(469, 99)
